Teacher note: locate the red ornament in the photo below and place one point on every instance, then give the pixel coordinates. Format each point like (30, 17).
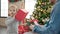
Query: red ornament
(34, 20)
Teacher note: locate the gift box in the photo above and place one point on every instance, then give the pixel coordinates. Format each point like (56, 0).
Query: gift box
(21, 14)
(22, 29)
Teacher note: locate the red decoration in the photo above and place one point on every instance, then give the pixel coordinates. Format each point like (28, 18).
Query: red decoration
(22, 29)
(34, 20)
(21, 14)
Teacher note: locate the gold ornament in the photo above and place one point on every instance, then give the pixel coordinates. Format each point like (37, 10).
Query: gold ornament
(40, 3)
(41, 10)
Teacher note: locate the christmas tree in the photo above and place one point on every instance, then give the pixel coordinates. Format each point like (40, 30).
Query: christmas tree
(42, 11)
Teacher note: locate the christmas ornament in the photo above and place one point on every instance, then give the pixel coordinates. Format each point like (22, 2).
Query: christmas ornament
(43, 3)
(39, 3)
(34, 20)
(38, 7)
(41, 10)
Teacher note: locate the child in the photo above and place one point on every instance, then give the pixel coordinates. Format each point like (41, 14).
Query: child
(11, 22)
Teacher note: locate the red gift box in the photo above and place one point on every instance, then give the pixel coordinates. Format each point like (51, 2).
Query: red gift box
(21, 14)
(22, 29)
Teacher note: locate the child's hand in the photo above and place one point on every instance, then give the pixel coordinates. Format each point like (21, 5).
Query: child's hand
(25, 24)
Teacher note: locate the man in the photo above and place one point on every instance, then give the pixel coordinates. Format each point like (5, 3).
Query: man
(53, 27)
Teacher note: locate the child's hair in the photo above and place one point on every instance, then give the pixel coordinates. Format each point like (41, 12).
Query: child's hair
(13, 5)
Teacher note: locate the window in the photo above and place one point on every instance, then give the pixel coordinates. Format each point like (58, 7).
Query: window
(29, 6)
(4, 8)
